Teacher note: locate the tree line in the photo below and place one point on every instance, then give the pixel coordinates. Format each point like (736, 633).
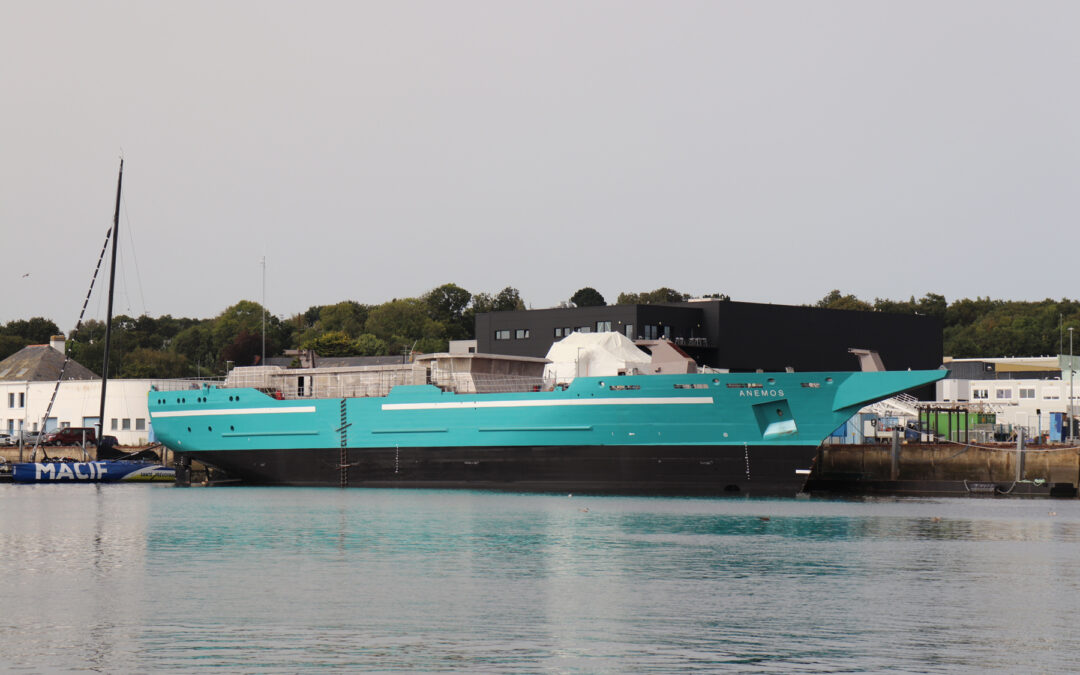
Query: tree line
(168, 347)
(982, 327)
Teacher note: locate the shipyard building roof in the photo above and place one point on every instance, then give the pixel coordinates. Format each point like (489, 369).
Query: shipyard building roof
(41, 363)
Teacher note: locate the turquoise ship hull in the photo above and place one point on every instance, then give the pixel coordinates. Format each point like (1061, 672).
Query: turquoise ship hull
(742, 433)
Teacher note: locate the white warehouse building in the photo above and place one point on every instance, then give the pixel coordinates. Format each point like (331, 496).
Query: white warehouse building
(29, 377)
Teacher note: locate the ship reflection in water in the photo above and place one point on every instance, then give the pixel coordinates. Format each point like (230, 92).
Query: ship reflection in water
(155, 579)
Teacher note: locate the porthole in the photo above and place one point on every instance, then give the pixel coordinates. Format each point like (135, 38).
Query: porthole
(772, 380)
(828, 380)
(716, 380)
(232, 428)
(189, 430)
(601, 383)
(209, 428)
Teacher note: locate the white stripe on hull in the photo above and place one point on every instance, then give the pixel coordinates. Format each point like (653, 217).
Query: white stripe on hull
(235, 411)
(457, 405)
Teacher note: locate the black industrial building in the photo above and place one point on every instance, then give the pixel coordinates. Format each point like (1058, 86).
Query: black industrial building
(739, 336)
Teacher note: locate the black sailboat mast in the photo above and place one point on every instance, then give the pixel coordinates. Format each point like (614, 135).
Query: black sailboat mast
(108, 314)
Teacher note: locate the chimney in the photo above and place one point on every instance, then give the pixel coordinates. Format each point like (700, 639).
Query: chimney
(57, 342)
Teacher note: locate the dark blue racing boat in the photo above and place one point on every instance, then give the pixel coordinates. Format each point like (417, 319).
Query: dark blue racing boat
(102, 471)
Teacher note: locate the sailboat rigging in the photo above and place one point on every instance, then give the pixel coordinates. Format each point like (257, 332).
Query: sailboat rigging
(102, 470)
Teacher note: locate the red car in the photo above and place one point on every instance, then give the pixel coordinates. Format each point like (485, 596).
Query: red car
(70, 436)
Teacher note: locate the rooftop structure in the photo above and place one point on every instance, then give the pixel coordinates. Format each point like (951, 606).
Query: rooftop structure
(40, 363)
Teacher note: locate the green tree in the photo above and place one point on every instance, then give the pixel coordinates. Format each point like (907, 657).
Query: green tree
(402, 323)
(333, 343)
(87, 346)
(656, 297)
(196, 344)
(447, 304)
(508, 300)
(894, 306)
(587, 297)
(369, 345)
(35, 331)
(244, 350)
(932, 304)
(347, 317)
(9, 344)
(143, 363)
(834, 300)
(226, 328)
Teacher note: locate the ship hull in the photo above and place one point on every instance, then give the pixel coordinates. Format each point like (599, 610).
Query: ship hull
(751, 434)
(102, 471)
(775, 470)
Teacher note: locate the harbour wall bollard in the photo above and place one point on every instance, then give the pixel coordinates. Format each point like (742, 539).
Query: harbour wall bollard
(894, 468)
(182, 465)
(1020, 454)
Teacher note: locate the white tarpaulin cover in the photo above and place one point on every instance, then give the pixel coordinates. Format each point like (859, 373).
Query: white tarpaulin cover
(594, 354)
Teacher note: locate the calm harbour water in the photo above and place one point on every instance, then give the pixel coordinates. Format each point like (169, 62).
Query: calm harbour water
(133, 578)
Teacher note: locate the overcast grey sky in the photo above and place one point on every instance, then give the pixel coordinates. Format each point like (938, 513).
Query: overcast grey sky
(769, 150)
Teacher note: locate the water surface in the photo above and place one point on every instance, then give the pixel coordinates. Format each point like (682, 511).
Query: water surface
(127, 578)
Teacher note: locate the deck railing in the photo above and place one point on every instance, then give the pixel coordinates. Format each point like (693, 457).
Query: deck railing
(359, 382)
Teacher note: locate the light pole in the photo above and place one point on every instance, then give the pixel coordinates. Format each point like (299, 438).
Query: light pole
(1071, 371)
(262, 362)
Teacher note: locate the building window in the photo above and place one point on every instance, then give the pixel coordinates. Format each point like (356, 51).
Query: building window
(22, 399)
(11, 400)
(603, 326)
(115, 423)
(1027, 393)
(584, 329)
(980, 393)
(140, 424)
(502, 335)
(1003, 393)
(127, 424)
(521, 334)
(558, 332)
(629, 330)
(65, 425)
(651, 332)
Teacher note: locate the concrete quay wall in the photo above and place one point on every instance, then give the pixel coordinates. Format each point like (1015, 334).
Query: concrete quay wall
(11, 454)
(949, 462)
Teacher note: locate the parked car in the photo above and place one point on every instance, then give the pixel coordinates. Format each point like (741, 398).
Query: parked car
(28, 437)
(70, 436)
(7, 440)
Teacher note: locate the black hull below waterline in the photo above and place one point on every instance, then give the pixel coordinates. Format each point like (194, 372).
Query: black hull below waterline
(772, 471)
